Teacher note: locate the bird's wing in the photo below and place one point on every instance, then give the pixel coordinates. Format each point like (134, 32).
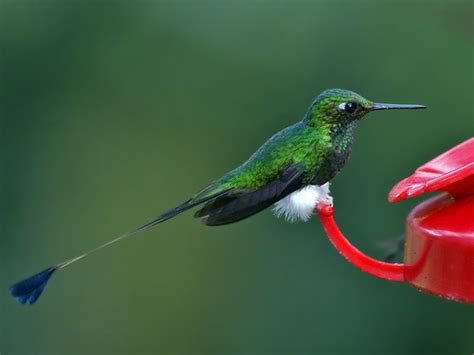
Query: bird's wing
(239, 204)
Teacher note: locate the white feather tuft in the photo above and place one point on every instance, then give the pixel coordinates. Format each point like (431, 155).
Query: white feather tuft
(300, 205)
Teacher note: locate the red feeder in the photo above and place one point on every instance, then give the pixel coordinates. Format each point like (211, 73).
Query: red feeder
(439, 244)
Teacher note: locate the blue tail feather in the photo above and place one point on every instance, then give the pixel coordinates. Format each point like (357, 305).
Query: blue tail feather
(29, 290)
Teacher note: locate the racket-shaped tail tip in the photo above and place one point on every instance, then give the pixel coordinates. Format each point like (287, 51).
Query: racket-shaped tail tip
(29, 290)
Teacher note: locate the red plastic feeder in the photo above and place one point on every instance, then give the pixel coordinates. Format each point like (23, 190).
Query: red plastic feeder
(439, 238)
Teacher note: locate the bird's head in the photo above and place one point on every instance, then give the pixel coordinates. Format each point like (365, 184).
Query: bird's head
(339, 106)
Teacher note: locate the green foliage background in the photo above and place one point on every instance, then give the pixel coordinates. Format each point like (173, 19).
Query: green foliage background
(114, 111)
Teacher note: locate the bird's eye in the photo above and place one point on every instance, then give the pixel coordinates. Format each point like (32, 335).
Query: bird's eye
(349, 107)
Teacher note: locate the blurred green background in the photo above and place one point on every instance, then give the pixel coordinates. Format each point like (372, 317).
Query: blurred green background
(112, 112)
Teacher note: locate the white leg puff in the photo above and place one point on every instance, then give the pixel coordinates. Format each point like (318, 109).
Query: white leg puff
(300, 205)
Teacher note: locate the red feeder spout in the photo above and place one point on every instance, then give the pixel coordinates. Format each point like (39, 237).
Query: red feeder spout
(439, 244)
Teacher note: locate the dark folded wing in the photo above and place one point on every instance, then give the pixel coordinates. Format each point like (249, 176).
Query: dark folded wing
(241, 204)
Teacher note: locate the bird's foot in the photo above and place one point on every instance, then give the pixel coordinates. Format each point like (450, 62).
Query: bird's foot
(324, 195)
(300, 204)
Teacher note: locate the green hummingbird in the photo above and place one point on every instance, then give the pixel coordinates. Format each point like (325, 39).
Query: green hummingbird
(291, 171)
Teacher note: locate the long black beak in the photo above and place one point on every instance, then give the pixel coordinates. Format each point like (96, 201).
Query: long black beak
(378, 106)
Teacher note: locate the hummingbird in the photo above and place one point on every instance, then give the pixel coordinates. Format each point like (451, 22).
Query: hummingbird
(290, 171)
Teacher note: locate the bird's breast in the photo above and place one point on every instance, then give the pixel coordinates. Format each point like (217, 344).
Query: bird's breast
(335, 158)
